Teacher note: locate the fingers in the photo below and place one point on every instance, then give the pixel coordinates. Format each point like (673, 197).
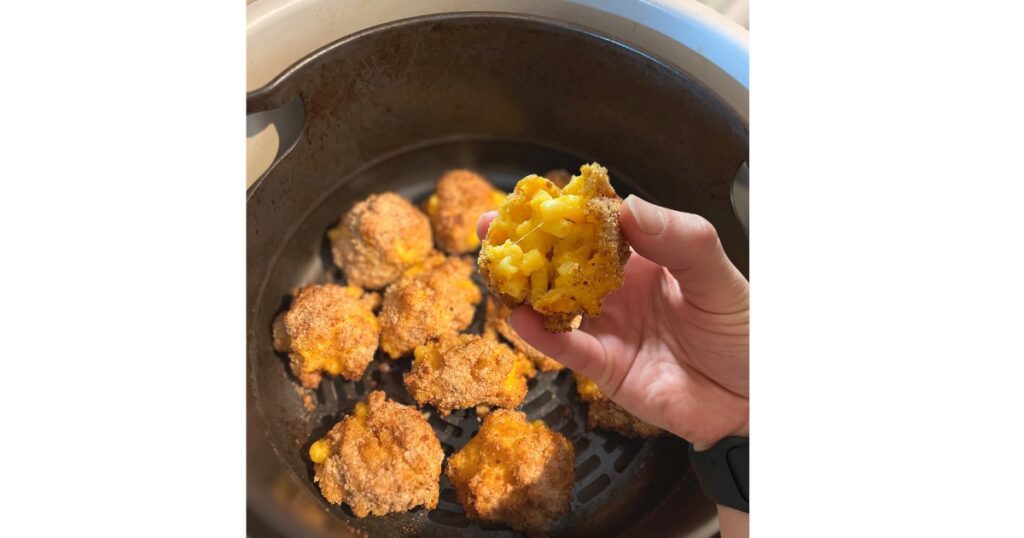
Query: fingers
(483, 223)
(688, 246)
(579, 351)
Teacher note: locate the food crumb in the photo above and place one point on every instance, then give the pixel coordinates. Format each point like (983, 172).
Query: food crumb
(309, 402)
(481, 411)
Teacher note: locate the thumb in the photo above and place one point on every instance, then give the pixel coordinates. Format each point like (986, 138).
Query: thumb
(688, 246)
(484, 223)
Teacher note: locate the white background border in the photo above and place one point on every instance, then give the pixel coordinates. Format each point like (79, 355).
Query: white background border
(886, 269)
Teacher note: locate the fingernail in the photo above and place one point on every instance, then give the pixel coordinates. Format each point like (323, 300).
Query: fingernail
(649, 217)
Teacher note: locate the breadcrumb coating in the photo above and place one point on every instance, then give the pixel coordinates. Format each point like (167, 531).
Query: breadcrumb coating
(383, 458)
(461, 197)
(435, 298)
(560, 250)
(604, 414)
(378, 239)
(496, 322)
(514, 472)
(328, 328)
(459, 371)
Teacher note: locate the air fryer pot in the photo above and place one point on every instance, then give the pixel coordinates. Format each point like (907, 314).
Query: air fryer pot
(391, 107)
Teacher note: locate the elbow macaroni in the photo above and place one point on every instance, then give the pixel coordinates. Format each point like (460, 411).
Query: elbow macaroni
(558, 249)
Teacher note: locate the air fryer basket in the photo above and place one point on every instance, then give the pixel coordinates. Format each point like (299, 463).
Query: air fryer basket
(390, 109)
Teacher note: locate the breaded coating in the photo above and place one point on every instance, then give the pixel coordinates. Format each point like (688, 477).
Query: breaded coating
(605, 414)
(461, 197)
(378, 239)
(432, 299)
(496, 322)
(383, 458)
(514, 472)
(328, 328)
(559, 176)
(560, 250)
(459, 371)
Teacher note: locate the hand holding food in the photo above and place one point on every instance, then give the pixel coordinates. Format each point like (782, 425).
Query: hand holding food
(672, 347)
(560, 250)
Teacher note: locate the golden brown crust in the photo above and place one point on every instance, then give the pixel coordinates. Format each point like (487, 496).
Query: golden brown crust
(514, 472)
(581, 288)
(459, 371)
(561, 323)
(496, 322)
(426, 303)
(388, 460)
(610, 240)
(608, 415)
(604, 414)
(378, 239)
(461, 197)
(328, 328)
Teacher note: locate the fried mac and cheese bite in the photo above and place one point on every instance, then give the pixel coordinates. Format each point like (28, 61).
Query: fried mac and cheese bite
(435, 298)
(328, 328)
(560, 250)
(604, 414)
(383, 458)
(514, 472)
(378, 239)
(459, 371)
(461, 197)
(496, 322)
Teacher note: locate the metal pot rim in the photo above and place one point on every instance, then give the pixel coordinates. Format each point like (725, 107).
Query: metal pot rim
(684, 33)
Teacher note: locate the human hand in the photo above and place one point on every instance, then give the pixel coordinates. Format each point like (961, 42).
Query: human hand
(672, 345)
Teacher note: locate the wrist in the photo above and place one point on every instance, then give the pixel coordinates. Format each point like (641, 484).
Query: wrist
(723, 472)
